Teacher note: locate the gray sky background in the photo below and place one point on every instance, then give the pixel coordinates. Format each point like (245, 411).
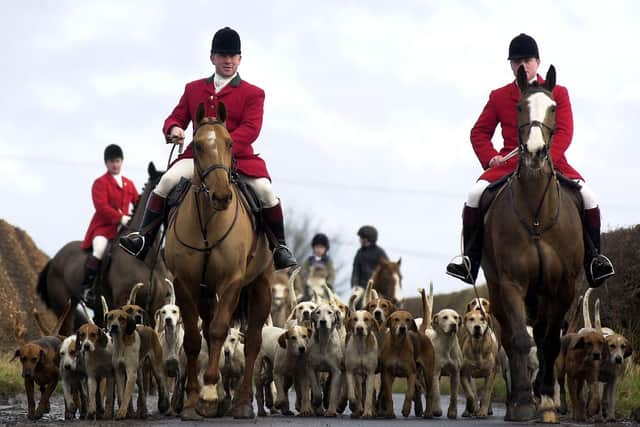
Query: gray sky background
(367, 114)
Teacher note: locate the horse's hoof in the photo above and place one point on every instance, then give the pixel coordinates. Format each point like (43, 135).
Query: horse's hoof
(243, 411)
(550, 417)
(524, 412)
(452, 413)
(437, 413)
(190, 414)
(207, 408)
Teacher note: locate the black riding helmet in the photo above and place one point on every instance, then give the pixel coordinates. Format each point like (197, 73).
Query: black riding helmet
(523, 46)
(113, 152)
(320, 239)
(368, 232)
(226, 41)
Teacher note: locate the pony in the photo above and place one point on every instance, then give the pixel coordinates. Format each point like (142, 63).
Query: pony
(61, 277)
(532, 253)
(220, 263)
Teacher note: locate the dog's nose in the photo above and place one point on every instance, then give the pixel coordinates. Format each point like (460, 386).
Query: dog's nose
(27, 374)
(227, 353)
(301, 350)
(454, 327)
(477, 329)
(114, 329)
(139, 320)
(596, 356)
(618, 360)
(359, 330)
(402, 329)
(67, 367)
(305, 315)
(169, 322)
(86, 347)
(323, 322)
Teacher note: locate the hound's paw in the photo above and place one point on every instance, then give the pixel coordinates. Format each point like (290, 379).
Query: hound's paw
(452, 413)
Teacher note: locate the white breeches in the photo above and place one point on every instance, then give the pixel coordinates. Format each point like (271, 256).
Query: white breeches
(99, 245)
(184, 168)
(588, 196)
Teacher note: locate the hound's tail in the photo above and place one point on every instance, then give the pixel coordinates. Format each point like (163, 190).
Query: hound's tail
(134, 293)
(585, 310)
(293, 299)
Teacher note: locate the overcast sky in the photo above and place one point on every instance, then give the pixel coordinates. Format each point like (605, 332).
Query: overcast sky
(367, 114)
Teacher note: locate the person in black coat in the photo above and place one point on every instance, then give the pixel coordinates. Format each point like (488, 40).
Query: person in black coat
(367, 257)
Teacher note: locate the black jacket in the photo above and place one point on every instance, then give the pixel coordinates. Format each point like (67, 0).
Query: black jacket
(364, 263)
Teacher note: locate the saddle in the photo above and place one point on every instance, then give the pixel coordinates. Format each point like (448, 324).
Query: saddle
(248, 197)
(572, 189)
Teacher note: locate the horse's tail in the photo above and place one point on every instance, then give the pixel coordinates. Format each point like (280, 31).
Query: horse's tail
(42, 285)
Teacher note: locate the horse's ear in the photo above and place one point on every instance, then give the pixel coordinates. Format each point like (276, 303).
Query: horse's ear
(221, 114)
(550, 80)
(521, 78)
(399, 261)
(151, 170)
(200, 113)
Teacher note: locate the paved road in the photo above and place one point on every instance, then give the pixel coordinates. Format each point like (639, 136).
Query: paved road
(12, 412)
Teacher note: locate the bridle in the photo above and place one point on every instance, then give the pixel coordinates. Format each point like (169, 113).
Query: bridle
(202, 174)
(535, 123)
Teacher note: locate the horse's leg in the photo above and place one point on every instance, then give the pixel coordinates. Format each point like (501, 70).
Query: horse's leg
(512, 317)
(546, 333)
(191, 344)
(259, 294)
(218, 329)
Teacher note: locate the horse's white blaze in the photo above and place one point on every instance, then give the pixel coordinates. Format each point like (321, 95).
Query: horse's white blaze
(209, 392)
(397, 290)
(539, 104)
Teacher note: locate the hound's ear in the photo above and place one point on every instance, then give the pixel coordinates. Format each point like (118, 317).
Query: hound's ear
(241, 335)
(434, 320)
(42, 355)
(413, 326)
(579, 343)
(156, 318)
(550, 80)
(221, 114)
(521, 78)
(388, 322)
(131, 325)
(16, 355)
(374, 325)
(102, 339)
(627, 350)
(338, 316)
(282, 340)
(392, 307)
(349, 323)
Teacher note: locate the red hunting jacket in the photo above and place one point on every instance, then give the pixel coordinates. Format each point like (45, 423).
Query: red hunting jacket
(501, 108)
(244, 103)
(111, 202)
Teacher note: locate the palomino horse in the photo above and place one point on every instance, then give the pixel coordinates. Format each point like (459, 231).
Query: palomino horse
(387, 280)
(61, 278)
(214, 253)
(533, 252)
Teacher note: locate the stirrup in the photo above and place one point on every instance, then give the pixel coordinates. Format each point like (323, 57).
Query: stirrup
(596, 281)
(127, 238)
(283, 257)
(89, 296)
(467, 277)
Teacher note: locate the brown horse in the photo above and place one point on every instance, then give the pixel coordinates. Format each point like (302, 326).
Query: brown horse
(215, 253)
(533, 252)
(387, 280)
(62, 276)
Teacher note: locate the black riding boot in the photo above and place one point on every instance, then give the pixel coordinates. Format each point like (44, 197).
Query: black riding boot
(91, 268)
(467, 270)
(597, 266)
(282, 256)
(139, 242)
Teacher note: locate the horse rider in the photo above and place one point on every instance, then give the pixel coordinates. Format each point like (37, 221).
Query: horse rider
(112, 195)
(244, 103)
(501, 108)
(367, 257)
(320, 255)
